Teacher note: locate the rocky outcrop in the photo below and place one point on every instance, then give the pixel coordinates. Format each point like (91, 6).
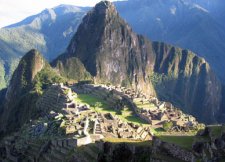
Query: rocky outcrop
(111, 52)
(21, 83)
(212, 148)
(29, 66)
(19, 105)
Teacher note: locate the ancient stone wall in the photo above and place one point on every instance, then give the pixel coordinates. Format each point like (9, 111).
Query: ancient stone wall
(172, 149)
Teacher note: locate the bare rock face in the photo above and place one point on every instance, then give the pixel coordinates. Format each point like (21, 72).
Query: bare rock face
(188, 81)
(112, 53)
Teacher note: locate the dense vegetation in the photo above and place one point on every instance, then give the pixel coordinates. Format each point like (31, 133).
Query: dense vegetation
(45, 78)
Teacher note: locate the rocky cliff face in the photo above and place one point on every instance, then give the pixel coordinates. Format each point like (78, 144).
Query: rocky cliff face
(192, 24)
(111, 52)
(186, 80)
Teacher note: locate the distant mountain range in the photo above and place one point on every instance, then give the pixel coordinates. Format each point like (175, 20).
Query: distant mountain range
(196, 25)
(49, 32)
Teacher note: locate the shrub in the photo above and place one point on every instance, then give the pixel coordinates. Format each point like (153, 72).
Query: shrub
(45, 78)
(167, 125)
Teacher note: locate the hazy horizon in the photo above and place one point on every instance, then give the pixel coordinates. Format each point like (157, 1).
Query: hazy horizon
(11, 12)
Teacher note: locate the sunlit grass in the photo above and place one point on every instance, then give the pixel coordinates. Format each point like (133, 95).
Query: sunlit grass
(215, 130)
(144, 104)
(182, 141)
(124, 140)
(125, 115)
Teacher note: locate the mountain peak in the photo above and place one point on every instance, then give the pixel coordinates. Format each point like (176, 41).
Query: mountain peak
(104, 6)
(30, 64)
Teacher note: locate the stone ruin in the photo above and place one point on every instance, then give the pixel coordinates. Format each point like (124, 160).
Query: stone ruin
(156, 116)
(105, 125)
(82, 122)
(83, 126)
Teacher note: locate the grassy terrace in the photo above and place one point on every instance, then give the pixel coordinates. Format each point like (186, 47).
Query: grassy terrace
(186, 140)
(126, 114)
(145, 104)
(182, 141)
(132, 142)
(216, 130)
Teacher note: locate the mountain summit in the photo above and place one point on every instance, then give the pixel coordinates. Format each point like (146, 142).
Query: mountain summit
(32, 63)
(109, 50)
(103, 7)
(106, 48)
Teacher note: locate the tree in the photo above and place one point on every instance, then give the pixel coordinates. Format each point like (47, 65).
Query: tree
(97, 105)
(167, 125)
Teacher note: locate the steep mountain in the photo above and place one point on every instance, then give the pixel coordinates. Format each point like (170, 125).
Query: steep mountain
(29, 66)
(184, 23)
(111, 52)
(32, 75)
(49, 32)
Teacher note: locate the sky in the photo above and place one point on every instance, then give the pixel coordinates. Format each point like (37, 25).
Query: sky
(12, 11)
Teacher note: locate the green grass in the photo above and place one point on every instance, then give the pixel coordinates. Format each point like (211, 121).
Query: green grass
(215, 130)
(182, 141)
(128, 141)
(145, 104)
(125, 115)
(223, 129)
(92, 100)
(166, 158)
(128, 115)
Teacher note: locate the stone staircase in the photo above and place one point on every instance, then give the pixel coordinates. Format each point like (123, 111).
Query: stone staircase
(144, 135)
(100, 118)
(53, 99)
(98, 129)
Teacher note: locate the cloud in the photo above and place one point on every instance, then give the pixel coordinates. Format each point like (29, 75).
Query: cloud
(12, 11)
